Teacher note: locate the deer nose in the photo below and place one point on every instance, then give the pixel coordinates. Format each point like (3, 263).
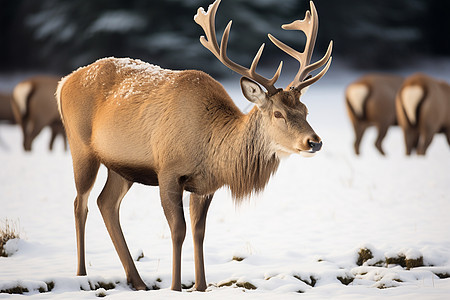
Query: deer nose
(315, 146)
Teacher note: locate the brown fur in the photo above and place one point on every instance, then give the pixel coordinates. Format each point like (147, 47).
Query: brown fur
(176, 129)
(34, 108)
(433, 113)
(6, 113)
(378, 107)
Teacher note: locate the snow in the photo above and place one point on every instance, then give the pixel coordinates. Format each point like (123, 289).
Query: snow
(307, 226)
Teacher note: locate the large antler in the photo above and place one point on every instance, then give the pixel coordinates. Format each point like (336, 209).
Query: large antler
(207, 22)
(309, 25)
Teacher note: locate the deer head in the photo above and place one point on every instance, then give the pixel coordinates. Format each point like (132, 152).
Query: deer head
(284, 115)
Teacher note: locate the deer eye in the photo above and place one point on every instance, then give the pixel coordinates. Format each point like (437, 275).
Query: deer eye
(278, 115)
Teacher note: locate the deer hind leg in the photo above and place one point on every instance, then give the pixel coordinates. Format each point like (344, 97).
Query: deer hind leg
(171, 193)
(109, 203)
(30, 129)
(411, 140)
(85, 169)
(447, 133)
(198, 207)
(57, 128)
(424, 142)
(359, 132)
(52, 139)
(382, 131)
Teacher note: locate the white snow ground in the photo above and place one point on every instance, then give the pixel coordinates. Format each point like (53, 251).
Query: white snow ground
(310, 222)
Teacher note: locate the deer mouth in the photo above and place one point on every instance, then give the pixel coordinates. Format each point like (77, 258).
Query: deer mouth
(307, 153)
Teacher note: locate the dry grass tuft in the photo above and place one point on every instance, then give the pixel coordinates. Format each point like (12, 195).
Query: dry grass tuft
(8, 231)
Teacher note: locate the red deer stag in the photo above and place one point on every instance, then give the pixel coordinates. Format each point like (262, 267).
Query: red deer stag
(34, 108)
(370, 101)
(180, 130)
(423, 109)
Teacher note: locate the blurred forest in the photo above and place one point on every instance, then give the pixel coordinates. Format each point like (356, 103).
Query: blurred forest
(62, 35)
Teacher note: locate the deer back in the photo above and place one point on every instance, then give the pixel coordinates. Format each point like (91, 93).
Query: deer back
(372, 97)
(424, 100)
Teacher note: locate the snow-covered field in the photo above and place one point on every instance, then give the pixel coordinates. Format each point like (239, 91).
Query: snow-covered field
(298, 239)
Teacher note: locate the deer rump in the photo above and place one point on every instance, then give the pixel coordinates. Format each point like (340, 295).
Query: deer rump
(412, 97)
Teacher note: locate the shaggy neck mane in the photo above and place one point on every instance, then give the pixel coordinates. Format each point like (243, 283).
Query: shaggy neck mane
(248, 159)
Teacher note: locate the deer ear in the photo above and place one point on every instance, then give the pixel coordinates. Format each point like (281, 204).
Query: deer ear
(253, 92)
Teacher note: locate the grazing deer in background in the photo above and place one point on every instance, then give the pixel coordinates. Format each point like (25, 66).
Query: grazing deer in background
(181, 131)
(34, 108)
(370, 101)
(6, 113)
(423, 109)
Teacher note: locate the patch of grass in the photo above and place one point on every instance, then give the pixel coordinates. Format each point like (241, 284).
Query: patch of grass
(20, 289)
(414, 263)
(364, 255)
(397, 260)
(15, 290)
(442, 275)
(345, 280)
(238, 258)
(100, 285)
(105, 285)
(404, 262)
(140, 256)
(242, 284)
(311, 281)
(155, 286)
(246, 285)
(50, 286)
(8, 231)
(228, 283)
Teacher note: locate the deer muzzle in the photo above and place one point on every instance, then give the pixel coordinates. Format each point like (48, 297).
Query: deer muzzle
(315, 145)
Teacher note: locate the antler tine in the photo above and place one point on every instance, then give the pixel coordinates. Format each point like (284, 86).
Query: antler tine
(326, 59)
(309, 25)
(312, 80)
(207, 22)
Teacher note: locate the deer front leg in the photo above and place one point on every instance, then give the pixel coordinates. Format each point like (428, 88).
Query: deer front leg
(171, 193)
(109, 203)
(198, 209)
